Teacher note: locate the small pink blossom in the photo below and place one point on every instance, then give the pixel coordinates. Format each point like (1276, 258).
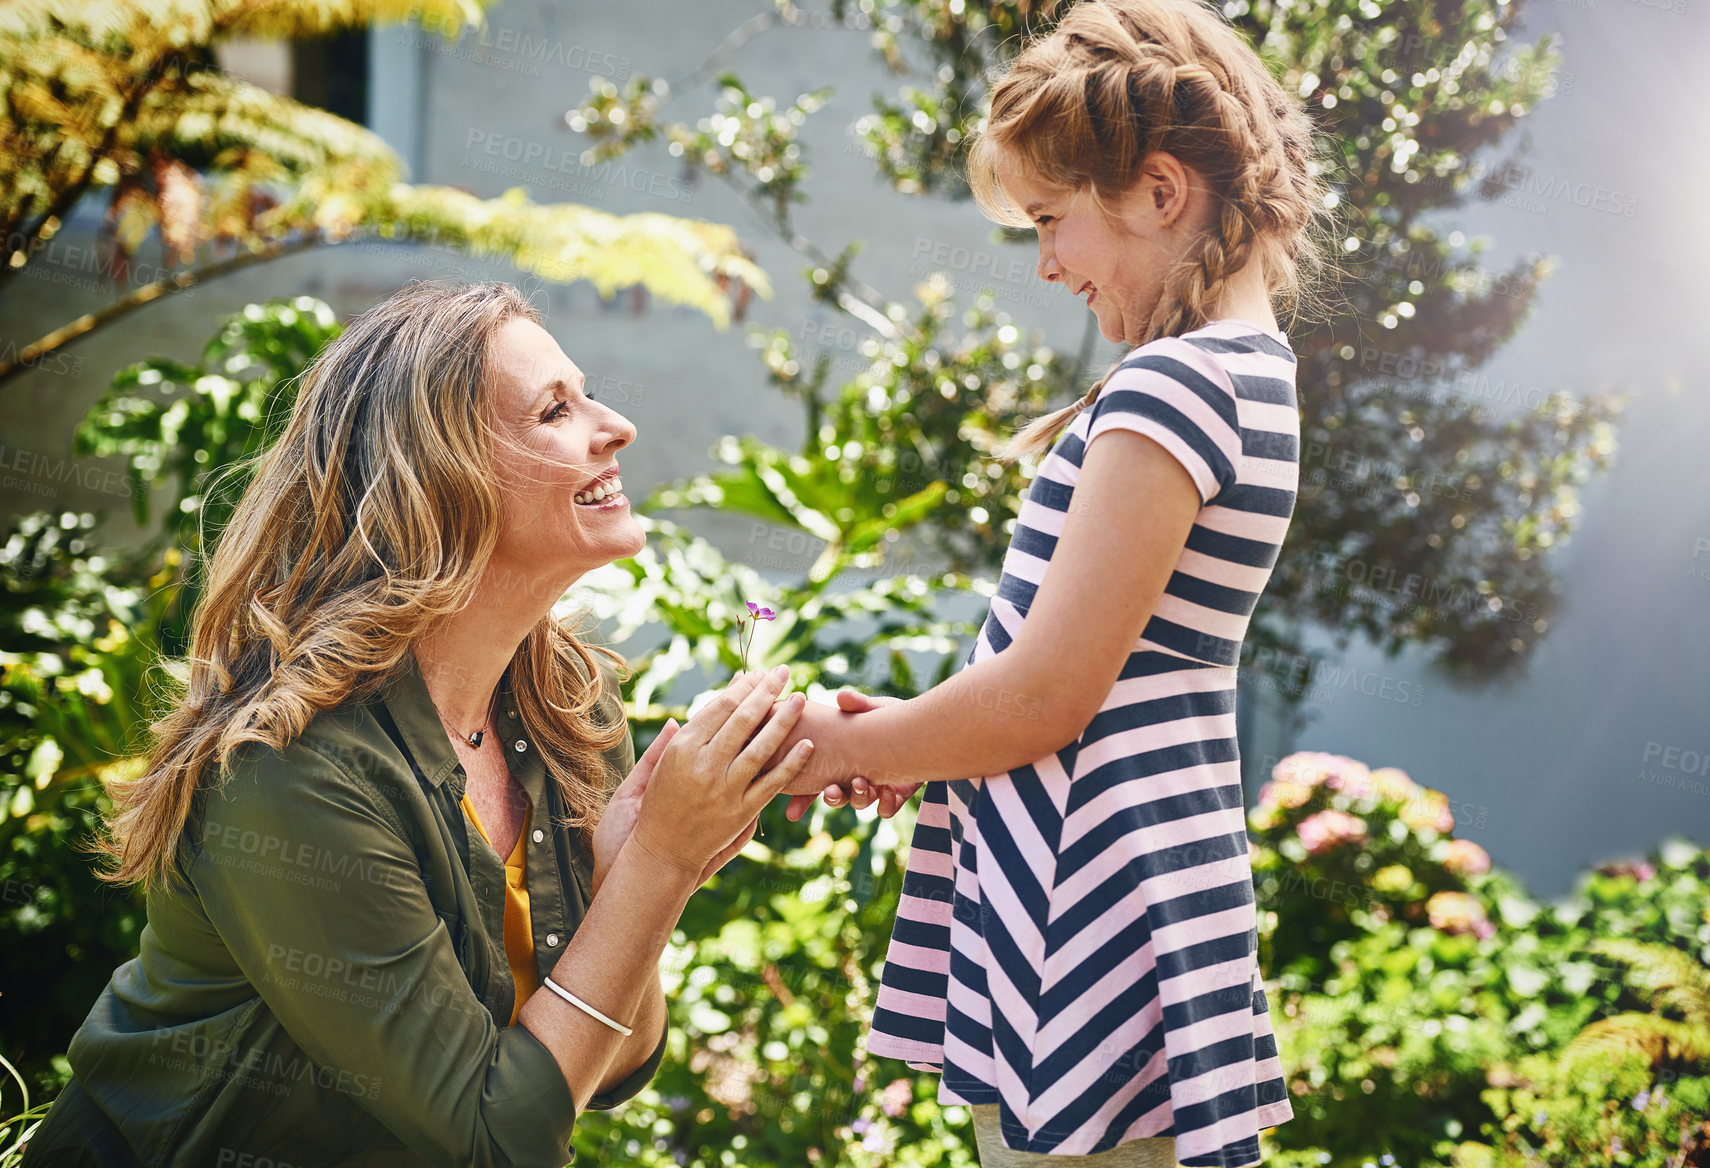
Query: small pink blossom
(1285, 794)
(1465, 858)
(896, 1097)
(1456, 912)
(1430, 810)
(1329, 829)
(746, 625)
(1309, 768)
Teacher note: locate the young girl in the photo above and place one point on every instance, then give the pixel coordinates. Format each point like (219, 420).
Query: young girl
(1076, 948)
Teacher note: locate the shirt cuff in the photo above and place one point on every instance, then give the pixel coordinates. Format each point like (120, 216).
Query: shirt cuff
(632, 1083)
(530, 1111)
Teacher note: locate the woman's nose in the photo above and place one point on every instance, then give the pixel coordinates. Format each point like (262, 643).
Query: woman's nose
(1049, 268)
(617, 432)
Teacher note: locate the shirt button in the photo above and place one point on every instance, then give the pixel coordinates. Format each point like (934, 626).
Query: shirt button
(539, 835)
(552, 940)
(521, 745)
(510, 713)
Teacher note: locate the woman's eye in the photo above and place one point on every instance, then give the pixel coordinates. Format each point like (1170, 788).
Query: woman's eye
(557, 411)
(1044, 219)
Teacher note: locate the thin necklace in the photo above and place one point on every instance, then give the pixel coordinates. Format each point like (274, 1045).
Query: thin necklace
(472, 739)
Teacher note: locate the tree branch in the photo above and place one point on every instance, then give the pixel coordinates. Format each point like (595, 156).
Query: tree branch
(32, 353)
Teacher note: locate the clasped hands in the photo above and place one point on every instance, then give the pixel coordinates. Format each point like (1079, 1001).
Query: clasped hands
(693, 799)
(827, 775)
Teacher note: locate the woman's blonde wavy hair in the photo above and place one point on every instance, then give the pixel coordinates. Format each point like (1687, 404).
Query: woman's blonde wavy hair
(1085, 104)
(373, 515)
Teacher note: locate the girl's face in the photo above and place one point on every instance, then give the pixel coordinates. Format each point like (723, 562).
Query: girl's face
(1117, 266)
(557, 452)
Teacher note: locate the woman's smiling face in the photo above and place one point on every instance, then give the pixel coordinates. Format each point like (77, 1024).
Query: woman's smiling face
(557, 453)
(1117, 266)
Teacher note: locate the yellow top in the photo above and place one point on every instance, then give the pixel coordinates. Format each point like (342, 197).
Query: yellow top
(519, 929)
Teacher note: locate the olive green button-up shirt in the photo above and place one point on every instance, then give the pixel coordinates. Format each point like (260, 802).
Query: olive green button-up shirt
(324, 984)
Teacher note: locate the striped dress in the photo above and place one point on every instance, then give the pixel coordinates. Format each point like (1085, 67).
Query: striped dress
(1076, 940)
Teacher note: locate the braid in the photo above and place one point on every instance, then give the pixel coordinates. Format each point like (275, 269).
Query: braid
(1117, 80)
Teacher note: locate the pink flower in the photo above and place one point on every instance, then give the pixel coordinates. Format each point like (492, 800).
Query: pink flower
(1283, 793)
(1429, 810)
(1456, 912)
(1465, 858)
(896, 1097)
(1329, 829)
(1394, 784)
(745, 633)
(1308, 768)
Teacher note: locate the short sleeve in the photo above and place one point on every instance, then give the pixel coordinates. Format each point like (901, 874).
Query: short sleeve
(1165, 392)
(314, 888)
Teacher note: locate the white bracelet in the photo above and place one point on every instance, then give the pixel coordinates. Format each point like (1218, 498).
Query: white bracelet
(587, 1009)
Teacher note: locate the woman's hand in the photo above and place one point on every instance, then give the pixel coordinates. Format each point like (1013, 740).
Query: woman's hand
(624, 806)
(862, 793)
(701, 802)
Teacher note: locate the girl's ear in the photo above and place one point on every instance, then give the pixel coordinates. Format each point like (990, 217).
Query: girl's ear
(1167, 182)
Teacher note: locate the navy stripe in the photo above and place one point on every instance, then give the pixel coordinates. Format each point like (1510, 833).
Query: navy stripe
(1218, 545)
(1158, 711)
(1271, 391)
(1128, 401)
(1033, 542)
(1236, 601)
(1268, 444)
(1258, 499)
(1185, 375)
(1048, 493)
(1175, 757)
(1245, 343)
(1192, 642)
(1084, 976)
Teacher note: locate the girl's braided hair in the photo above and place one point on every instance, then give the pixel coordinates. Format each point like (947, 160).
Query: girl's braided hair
(1085, 104)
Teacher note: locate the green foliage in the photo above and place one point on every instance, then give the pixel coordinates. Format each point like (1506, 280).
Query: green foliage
(1429, 1011)
(17, 1123)
(184, 426)
(79, 627)
(1633, 1085)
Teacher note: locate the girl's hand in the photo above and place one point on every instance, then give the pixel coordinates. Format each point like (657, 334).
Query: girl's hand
(703, 798)
(862, 793)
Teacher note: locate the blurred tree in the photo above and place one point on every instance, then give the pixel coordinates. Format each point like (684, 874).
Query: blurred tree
(1429, 490)
(125, 98)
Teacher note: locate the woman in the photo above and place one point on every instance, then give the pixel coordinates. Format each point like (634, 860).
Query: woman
(336, 969)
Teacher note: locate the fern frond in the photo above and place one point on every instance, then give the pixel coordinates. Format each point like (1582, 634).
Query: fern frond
(296, 19)
(1665, 977)
(1657, 1039)
(677, 260)
(202, 119)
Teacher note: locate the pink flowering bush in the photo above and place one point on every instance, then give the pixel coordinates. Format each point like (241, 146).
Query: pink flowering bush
(1340, 849)
(1431, 1013)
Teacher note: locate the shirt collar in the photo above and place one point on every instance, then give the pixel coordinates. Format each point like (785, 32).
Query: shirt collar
(411, 706)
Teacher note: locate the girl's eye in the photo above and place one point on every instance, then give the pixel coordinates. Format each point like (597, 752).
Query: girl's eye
(1044, 219)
